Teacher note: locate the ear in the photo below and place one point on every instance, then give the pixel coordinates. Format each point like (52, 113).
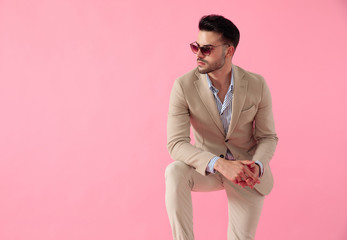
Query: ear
(230, 51)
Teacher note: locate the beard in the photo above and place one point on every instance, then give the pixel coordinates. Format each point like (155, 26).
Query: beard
(210, 67)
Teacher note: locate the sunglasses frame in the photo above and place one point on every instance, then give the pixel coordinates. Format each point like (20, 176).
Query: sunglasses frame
(204, 48)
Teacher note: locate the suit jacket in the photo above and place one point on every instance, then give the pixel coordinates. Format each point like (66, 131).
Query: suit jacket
(251, 133)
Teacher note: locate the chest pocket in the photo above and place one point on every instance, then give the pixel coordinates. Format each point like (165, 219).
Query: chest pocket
(247, 115)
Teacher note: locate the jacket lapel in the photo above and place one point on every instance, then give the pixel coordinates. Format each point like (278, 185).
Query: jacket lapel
(207, 98)
(239, 96)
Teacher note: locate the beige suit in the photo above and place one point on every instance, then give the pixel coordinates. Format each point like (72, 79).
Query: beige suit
(251, 133)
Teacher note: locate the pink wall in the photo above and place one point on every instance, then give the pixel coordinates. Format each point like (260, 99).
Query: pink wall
(84, 88)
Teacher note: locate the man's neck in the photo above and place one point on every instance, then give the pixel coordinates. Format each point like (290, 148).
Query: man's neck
(221, 78)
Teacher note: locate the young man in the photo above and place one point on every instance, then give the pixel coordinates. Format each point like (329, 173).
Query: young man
(231, 115)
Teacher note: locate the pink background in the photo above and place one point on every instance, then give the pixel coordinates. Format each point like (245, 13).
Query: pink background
(84, 90)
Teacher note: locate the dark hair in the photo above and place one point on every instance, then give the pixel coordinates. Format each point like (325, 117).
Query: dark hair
(220, 24)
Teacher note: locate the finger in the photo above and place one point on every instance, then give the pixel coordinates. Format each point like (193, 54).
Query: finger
(234, 181)
(242, 176)
(238, 181)
(250, 183)
(242, 184)
(251, 175)
(246, 183)
(251, 166)
(255, 173)
(248, 163)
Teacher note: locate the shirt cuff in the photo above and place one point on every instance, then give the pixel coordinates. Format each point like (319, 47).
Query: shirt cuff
(261, 167)
(210, 166)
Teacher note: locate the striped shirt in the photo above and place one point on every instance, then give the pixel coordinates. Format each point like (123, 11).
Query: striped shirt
(224, 110)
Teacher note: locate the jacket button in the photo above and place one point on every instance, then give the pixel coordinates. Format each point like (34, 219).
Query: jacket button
(222, 156)
(226, 140)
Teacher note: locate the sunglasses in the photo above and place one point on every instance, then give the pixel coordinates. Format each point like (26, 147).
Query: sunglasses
(205, 50)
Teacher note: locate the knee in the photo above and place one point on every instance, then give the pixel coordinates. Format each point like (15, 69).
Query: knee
(176, 170)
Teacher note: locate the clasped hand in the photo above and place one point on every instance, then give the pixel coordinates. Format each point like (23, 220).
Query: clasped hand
(241, 172)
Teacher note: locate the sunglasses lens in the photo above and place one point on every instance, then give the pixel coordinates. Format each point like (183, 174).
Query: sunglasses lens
(194, 48)
(205, 51)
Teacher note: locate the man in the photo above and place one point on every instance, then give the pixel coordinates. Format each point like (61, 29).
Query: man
(230, 111)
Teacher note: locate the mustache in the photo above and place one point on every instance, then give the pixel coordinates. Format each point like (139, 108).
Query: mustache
(201, 60)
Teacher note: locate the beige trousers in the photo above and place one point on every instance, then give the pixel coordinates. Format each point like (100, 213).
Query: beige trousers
(244, 204)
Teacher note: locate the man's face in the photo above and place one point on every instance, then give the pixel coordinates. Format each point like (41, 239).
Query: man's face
(216, 59)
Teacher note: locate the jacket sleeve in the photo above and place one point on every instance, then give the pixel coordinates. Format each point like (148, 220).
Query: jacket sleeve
(178, 133)
(264, 132)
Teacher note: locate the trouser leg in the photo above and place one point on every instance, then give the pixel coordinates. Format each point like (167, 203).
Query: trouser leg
(180, 180)
(245, 205)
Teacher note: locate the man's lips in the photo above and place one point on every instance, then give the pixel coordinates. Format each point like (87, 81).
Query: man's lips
(200, 63)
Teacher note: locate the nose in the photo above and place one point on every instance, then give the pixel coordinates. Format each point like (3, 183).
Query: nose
(199, 54)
